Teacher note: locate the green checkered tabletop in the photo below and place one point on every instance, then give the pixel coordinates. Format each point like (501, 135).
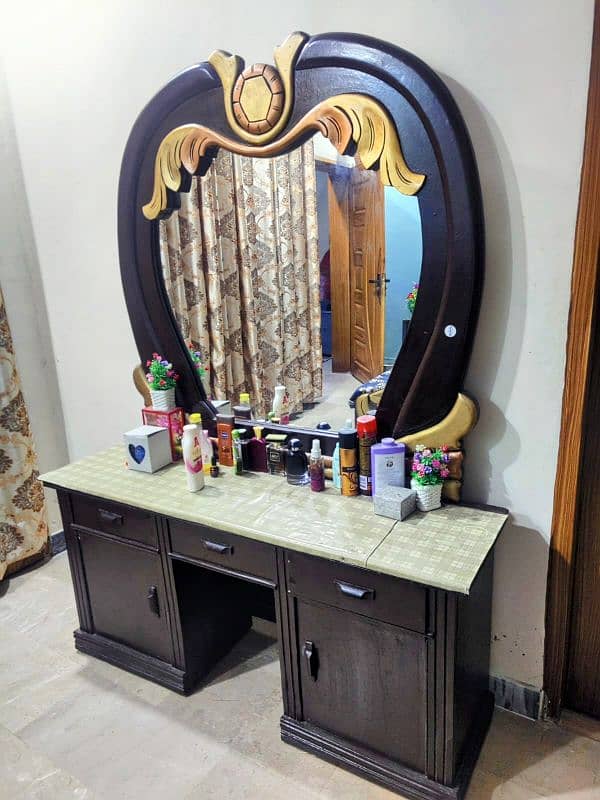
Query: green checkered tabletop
(443, 548)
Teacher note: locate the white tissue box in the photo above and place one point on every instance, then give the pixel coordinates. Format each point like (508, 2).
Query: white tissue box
(396, 502)
(148, 448)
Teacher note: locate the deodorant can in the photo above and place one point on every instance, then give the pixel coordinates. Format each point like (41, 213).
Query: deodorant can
(349, 461)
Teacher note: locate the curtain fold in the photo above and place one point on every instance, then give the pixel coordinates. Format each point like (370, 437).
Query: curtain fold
(23, 526)
(241, 269)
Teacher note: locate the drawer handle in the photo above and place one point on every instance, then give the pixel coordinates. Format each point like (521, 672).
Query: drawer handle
(312, 659)
(355, 591)
(110, 517)
(215, 547)
(152, 598)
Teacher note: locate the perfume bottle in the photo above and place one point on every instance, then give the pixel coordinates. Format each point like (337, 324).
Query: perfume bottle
(238, 463)
(316, 467)
(296, 464)
(257, 451)
(276, 453)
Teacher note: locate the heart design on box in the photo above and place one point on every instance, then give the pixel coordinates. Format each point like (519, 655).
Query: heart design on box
(137, 452)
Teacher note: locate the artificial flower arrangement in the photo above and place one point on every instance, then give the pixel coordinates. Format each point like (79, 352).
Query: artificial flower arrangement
(429, 469)
(160, 376)
(201, 368)
(411, 298)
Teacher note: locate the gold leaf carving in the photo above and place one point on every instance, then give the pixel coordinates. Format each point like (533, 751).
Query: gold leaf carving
(350, 121)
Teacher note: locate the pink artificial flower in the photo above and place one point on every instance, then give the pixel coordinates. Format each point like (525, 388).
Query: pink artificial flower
(426, 453)
(150, 378)
(444, 473)
(435, 463)
(148, 363)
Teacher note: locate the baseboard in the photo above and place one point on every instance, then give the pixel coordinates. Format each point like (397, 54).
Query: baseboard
(122, 656)
(58, 543)
(368, 765)
(520, 698)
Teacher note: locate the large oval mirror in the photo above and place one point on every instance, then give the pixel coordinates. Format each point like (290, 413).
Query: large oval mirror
(299, 271)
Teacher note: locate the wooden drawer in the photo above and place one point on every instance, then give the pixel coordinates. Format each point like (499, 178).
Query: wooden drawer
(115, 519)
(235, 553)
(378, 596)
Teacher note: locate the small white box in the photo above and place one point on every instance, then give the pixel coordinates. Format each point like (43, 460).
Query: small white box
(396, 502)
(148, 448)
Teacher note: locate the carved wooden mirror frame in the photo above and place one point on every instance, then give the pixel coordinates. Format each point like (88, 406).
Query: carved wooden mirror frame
(370, 99)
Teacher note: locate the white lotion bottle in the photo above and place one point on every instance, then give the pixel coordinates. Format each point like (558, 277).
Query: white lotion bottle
(192, 457)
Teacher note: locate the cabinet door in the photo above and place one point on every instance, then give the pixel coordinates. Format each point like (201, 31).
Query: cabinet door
(364, 680)
(126, 594)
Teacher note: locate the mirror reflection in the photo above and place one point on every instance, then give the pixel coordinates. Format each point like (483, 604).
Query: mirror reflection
(299, 271)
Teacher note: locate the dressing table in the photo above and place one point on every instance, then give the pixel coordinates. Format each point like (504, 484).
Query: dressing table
(383, 626)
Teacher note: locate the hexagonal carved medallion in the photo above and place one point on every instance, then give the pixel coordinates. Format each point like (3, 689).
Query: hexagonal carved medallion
(258, 96)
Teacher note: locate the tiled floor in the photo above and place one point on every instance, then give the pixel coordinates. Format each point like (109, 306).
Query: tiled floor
(71, 726)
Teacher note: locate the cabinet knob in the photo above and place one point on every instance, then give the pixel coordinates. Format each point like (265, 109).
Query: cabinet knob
(312, 659)
(152, 598)
(110, 517)
(215, 547)
(355, 591)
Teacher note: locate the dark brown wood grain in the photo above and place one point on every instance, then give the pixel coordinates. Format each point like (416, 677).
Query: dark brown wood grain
(584, 292)
(397, 689)
(429, 370)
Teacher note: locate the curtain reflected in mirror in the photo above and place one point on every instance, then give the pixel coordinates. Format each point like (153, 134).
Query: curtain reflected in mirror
(300, 270)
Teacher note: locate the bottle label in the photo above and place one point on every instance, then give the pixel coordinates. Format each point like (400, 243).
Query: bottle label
(350, 480)
(389, 470)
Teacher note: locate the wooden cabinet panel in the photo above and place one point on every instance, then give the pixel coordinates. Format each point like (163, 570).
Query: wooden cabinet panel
(364, 680)
(126, 594)
(115, 519)
(380, 596)
(231, 552)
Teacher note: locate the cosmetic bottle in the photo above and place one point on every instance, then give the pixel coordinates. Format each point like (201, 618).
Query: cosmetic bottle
(225, 423)
(335, 466)
(238, 462)
(214, 468)
(192, 457)
(244, 409)
(366, 427)
(388, 465)
(349, 462)
(207, 450)
(316, 467)
(276, 453)
(296, 464)
(278, 400)
(257, 451)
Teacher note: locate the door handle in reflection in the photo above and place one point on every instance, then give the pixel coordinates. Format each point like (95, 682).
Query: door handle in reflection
(312, 659)
(355, 591)
(380, 284)
(152, 598)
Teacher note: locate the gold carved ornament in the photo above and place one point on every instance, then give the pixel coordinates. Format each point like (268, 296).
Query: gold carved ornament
(343, 119)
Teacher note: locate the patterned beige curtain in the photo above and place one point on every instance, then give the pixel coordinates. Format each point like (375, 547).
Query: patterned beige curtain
(241, 268)
(23, 527)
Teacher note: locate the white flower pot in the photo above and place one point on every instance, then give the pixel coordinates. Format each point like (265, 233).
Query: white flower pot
(163, 400)
(428, 497)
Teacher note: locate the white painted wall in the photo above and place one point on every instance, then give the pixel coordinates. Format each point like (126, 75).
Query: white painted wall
(26, 309)
(519, 71)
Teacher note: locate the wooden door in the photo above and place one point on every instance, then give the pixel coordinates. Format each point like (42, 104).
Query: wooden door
(126, 594)
(364, 680)
(583, 670)
(366, 220)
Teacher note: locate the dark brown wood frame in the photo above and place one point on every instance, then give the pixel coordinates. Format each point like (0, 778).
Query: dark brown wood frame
(428, 373)
(582, 319)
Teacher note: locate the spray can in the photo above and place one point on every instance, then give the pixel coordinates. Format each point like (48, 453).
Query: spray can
(366, 427)
(349, 462)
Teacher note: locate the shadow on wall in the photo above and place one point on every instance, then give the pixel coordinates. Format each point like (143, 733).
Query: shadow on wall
(494, 445)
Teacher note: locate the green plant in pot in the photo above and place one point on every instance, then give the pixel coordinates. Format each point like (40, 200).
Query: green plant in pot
(162, 380)
(429, 469)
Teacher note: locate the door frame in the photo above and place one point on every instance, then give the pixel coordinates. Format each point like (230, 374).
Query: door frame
(585, 285)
